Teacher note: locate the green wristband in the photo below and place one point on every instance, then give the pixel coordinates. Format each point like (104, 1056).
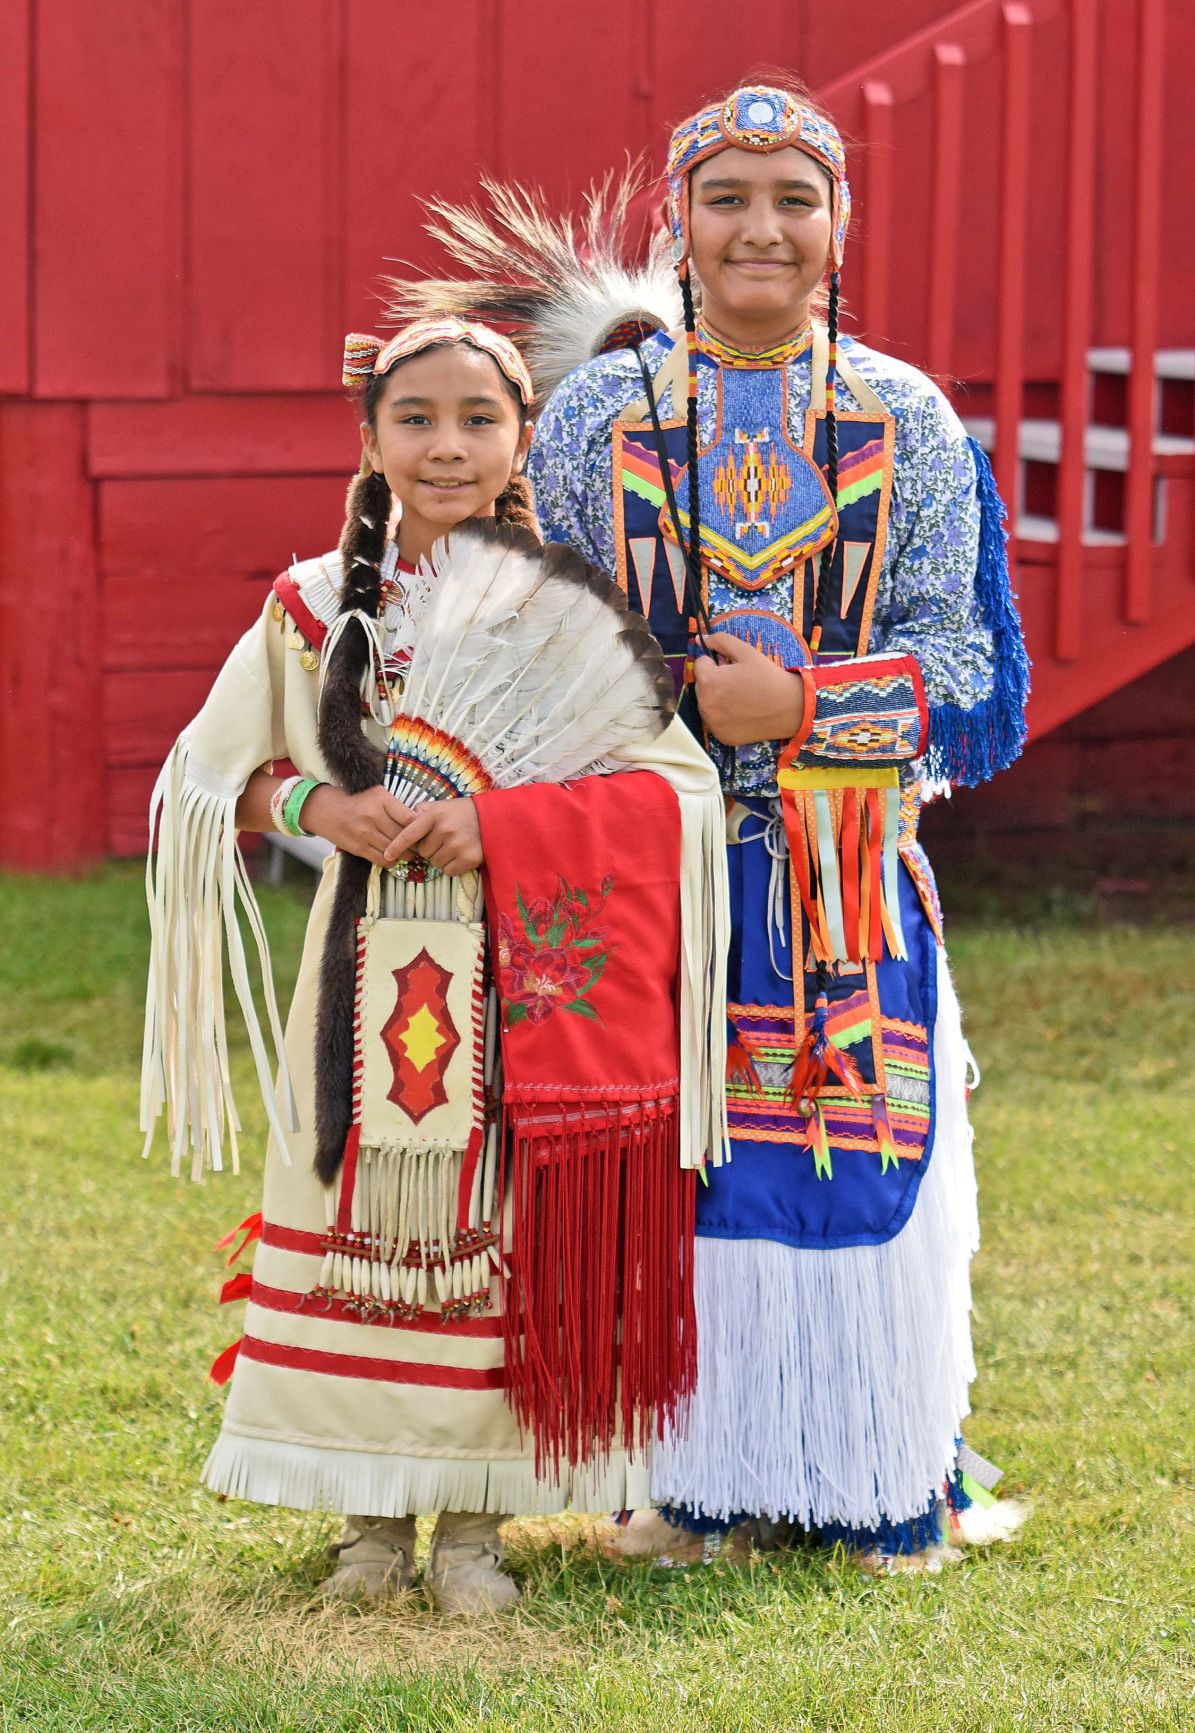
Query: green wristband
(294, 805)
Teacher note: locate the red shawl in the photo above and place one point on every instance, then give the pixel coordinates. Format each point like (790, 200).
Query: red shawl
(582, 894)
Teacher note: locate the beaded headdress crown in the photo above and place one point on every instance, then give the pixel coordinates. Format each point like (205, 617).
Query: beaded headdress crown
(365, 355)
(760, 118)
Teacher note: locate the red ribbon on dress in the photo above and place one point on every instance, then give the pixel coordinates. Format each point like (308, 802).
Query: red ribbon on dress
(250, 1227)
(222, 1365)
(236, 1287)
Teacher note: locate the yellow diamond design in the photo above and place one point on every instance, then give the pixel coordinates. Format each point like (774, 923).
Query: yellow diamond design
(422, 1038)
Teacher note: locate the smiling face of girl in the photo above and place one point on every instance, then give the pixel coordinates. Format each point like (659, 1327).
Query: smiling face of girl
(760, 227)
(447, 430)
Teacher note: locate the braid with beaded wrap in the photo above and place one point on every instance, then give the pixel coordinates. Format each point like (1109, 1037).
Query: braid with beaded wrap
(341, 741)
(827, 554)
(724, 756)
(694, 551)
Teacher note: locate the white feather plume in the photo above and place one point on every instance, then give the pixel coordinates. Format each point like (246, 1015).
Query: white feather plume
(984, 1525)
(530, 658)
(564, 288)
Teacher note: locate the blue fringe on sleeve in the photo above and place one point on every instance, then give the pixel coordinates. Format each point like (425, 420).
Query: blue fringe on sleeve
(969, 746)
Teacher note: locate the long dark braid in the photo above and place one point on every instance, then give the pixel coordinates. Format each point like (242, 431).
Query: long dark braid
(725, 756)
(694, 550)
(362, 545)
(822, 586)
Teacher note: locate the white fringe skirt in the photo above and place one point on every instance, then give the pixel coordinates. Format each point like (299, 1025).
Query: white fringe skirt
(832, 1385)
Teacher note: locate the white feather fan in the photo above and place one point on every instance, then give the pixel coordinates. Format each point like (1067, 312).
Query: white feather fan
(527, 667)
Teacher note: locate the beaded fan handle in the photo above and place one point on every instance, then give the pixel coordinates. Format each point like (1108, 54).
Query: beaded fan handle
(423, 763)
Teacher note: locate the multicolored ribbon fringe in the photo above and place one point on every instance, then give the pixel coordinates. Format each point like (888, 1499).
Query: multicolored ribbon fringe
(843, 827)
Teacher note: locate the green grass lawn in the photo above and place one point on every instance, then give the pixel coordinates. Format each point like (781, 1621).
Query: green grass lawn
(130, 1599)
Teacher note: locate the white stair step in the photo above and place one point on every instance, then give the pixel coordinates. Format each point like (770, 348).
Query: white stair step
(1044, 529)
(1168, 363)
(1104, 447)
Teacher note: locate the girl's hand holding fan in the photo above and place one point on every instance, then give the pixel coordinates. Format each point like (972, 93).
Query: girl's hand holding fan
(446, 833)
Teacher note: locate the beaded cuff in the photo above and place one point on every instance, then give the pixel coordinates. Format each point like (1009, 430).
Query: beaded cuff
(869, 711)
(286, 804)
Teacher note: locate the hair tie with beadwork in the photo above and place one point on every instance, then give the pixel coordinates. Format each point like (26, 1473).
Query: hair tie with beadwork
(361, 352)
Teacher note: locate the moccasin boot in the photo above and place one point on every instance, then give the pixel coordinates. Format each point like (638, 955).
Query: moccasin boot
(648, 1534)
(464, 1572)
(928, 1561)
(375, 1559)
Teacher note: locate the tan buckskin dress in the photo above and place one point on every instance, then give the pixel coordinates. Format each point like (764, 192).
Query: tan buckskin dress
(328, 1408)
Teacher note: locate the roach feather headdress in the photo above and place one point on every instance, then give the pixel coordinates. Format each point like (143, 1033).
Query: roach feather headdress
(569, 291)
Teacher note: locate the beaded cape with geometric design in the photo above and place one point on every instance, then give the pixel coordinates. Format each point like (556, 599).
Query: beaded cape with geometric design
(768, 508)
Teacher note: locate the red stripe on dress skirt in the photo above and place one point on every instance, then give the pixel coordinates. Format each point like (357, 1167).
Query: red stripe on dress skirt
(291, 1239)
(347, 1312)
(376, 1371)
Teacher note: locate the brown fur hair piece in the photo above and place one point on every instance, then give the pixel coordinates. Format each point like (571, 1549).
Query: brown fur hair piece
(515, 505)
(357, 765)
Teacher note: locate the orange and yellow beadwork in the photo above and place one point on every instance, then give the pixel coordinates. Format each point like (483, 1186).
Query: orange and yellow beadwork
(424, 763)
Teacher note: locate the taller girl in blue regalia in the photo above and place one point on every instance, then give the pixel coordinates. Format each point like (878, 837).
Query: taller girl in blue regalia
(819, 549)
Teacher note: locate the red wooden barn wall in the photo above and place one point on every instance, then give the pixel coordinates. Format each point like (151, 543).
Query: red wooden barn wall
(197, 200)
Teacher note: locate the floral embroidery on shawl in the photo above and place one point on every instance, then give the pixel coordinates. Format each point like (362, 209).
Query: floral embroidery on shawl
(555, 956)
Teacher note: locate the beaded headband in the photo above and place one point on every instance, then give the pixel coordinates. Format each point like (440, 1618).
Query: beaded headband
(757, 117)
(365, 356)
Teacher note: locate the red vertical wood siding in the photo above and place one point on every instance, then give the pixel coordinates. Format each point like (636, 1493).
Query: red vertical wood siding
(15, 113)
(1075, 384)
(52, 724)
(265, 205)
(108, 197)
(415, 131)
(197, 200)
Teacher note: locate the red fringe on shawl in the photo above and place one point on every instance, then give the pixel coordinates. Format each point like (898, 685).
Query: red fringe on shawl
(599, 1324)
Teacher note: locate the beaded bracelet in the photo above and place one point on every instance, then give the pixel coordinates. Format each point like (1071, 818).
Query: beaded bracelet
(279, 799)
(293, 805)
(286, 803)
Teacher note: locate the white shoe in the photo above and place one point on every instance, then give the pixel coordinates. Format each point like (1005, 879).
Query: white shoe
(464, 1571)
(375, 1559)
